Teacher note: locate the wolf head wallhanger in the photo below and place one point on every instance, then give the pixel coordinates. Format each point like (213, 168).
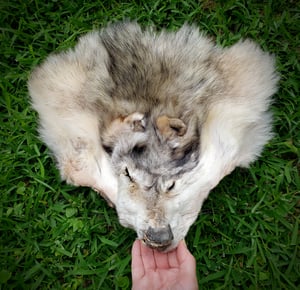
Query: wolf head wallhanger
(154, 120)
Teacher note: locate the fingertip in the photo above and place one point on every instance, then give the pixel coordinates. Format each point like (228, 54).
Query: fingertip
(183, 242)
(137, 241)
(183, 251)
(136, 247)
(137, 266)
(182, 246)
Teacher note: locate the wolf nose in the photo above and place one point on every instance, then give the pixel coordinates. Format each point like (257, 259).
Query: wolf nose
(158, 238)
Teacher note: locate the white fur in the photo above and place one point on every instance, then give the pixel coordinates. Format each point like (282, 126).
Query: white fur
(70, 91)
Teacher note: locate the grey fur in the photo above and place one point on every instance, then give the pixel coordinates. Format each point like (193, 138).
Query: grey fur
(174, 112)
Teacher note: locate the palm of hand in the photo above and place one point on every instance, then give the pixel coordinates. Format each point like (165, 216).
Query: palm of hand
(152, 270)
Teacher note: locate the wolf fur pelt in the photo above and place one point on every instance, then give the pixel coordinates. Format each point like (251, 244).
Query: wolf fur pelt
(154, 120)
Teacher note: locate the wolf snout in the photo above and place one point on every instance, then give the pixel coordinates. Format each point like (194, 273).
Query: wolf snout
(158, 238)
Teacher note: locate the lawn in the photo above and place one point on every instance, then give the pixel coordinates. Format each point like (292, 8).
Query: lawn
(55, 236)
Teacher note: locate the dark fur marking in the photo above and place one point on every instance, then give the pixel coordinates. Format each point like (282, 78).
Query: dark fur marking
(189, 151)
(108, 149)
(138, 150)
(136, 73)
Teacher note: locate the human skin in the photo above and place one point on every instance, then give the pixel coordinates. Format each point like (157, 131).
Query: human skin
(153, 270)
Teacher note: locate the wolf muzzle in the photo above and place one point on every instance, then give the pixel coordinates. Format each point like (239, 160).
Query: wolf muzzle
(158, 238)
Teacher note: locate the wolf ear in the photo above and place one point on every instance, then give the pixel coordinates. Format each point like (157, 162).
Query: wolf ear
(135, 122)
(183, 140)
(170, 128)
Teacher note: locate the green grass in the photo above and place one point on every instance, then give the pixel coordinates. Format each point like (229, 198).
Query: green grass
(54, 236)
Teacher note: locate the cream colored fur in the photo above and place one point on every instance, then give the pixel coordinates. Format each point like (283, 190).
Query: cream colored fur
(110, 90)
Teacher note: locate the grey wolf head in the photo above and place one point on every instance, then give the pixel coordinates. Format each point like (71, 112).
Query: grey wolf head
(153, 159)
(154, 120)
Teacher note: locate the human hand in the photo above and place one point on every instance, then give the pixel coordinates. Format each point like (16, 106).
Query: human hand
(153, 270)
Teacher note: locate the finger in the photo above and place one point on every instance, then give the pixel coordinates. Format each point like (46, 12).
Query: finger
(137, 266)
(185, 258)
(148, 257)
(187, 265)
(161, 260)
(172, 259)
(183, 254)
(182, 251)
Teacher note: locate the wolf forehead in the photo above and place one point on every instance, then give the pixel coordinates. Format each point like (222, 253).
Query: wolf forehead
(163, 152)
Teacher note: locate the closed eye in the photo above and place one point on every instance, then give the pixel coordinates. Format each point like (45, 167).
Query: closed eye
(126, 173)
(171, 186)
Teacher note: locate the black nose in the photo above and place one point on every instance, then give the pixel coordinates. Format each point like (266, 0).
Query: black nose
(158, 238)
